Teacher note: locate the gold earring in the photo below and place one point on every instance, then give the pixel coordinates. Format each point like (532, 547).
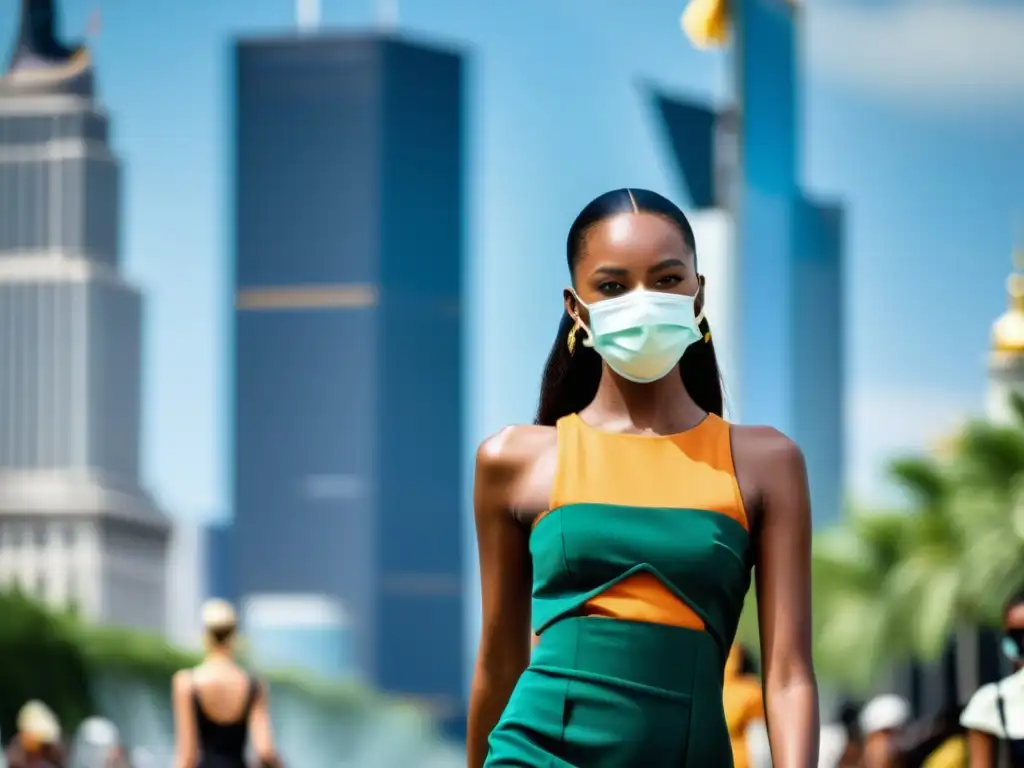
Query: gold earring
(571, 341)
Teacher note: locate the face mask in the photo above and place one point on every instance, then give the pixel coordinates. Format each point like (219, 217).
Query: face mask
(642, 334)
(1012, 645)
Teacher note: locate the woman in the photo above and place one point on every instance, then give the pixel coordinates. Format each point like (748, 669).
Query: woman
(883, 722)
(37, 743)
(852, 754)
(218, 706)
(638, 513)
(743, 701)
(994, 717)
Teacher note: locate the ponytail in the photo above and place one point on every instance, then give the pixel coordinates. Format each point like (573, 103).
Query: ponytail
(571, 377)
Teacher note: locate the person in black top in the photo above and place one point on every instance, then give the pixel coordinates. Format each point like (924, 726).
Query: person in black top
(219, 706)
(994, 717)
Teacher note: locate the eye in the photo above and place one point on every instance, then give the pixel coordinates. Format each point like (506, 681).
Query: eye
(611, 288)
(668, 281)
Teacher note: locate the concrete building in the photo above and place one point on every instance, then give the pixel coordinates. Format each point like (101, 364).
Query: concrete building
(76, 525)
(347, 347)
(187, 581)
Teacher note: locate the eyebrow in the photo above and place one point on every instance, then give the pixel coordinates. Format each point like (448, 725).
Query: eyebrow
(622, 272)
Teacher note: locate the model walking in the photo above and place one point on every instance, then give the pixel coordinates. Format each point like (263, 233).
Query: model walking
(633, 513)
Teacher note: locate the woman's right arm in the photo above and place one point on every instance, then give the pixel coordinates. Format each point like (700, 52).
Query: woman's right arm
(981, 749)
(185, 740)
(505, 576)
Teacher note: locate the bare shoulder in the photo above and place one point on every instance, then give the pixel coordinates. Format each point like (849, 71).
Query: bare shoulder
(767, 448)
(182, 680)
(514, 448)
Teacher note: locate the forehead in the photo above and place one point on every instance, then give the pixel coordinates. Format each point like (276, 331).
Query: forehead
(1015, 616)
(633, 238)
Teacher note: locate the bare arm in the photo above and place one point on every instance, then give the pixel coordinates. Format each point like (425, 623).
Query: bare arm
(981, 749)
(186, 746)
(783, 571)
(259, 728)
(505, 574)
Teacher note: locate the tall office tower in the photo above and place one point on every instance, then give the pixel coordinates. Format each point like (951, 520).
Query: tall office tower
(75, 523)
(347, 352)
(790, 260)
(702, 143)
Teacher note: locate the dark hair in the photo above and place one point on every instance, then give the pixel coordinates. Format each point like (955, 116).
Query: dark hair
(571, 378)
(1016, 599)
(748, 665)
(849, 717)
(220, 635)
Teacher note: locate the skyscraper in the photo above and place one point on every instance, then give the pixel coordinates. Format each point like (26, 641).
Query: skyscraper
(348, 363)
(790, 259)
(76, 526)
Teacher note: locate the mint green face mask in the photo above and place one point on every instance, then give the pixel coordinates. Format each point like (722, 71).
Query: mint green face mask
(642, 334)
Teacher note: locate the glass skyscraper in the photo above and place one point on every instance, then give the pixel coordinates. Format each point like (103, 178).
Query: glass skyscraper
(348, 193)
(741, 168)
(790, 259)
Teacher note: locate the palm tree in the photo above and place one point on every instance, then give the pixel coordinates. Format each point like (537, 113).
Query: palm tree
(857, 629)
(988, 510)
(926, 583)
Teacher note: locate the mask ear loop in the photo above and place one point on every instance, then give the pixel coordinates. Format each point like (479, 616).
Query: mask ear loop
(700, 315)
(578, 326)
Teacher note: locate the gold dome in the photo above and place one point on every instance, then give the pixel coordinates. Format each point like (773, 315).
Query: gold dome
(1008, 330)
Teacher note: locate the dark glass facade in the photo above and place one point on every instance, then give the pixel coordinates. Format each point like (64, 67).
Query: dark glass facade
(348, 368)
(218, 561)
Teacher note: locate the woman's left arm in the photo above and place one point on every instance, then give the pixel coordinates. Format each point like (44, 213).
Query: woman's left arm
(783, 574)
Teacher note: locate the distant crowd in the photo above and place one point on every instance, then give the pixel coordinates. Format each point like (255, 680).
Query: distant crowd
(39, 743)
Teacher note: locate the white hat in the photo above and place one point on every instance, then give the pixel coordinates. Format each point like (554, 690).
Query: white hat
(884, 713)
(38, 720)
(99, 732)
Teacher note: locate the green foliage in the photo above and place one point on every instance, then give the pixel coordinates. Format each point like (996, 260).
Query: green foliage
(58, 655)
(42, 661)
(898, 584)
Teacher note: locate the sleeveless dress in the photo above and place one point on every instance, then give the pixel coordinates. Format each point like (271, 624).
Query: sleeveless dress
(640, 570)
(222, 745)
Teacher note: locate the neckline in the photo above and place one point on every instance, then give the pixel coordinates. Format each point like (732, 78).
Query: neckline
(708, 417)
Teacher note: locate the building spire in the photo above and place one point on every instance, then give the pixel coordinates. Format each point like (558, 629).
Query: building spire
(37, 45)
(1008, 331)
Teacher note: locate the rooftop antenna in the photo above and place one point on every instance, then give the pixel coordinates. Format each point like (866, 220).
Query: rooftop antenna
(387, 14)
(307, 15)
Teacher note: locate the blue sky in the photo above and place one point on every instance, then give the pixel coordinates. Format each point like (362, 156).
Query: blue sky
(913, 115)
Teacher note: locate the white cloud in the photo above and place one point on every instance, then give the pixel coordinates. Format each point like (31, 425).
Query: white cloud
(954, 54)
(884, 423)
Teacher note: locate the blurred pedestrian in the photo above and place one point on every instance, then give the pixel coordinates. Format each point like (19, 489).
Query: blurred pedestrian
(218, 705)
(37, 743)
(994, 717)
(743, 701)
(853, 752)
(96, 741)
(936, 741)
(882, 722)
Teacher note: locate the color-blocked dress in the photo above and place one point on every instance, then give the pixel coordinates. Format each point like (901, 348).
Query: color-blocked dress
(640, 570)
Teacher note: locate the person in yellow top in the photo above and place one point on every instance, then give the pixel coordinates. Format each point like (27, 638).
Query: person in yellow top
(743, 701)
(952, 753)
